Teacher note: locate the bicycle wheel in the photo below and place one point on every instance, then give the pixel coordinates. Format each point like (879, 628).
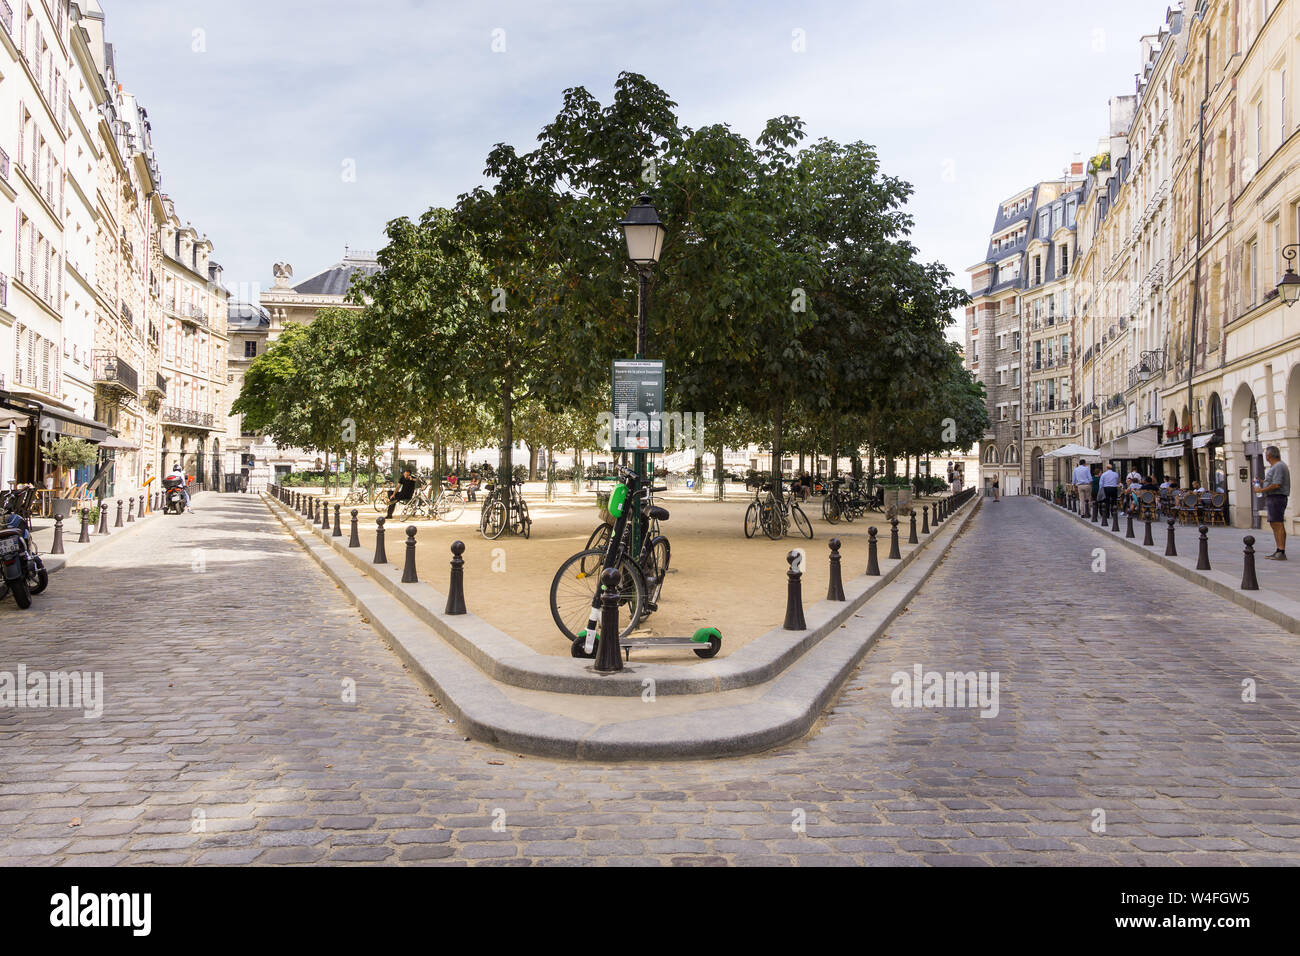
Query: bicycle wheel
(380, 500)
(752, 523)
(800, 520)
(451, 506)
(494, 520)
(573, 590)
(655, 565)
(773, 525)
(599, 538)
(831, 510)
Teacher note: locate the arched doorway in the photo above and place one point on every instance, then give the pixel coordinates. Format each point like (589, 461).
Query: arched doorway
(1037, 464)
(1244, 451)
(218, 471)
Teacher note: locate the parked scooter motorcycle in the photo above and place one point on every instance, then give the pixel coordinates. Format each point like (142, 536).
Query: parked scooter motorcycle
(22, 571)
(173, 496)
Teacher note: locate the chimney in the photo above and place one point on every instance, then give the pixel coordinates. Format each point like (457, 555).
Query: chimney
(1076, 168)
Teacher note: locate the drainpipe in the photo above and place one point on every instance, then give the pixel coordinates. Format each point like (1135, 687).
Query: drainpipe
(1196, 286)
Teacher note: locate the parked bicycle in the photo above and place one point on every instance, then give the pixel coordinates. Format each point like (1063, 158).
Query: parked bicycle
(504, 507)
(774, 516)
(846, 500)
(576, 589)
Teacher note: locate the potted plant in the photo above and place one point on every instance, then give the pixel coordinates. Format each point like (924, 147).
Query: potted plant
(67, 455)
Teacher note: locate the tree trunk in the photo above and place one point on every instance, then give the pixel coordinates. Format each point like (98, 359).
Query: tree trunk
(835, 450)
(778, 414)
(506, 472)
(532, 461)
(720, 476)
(397, 451)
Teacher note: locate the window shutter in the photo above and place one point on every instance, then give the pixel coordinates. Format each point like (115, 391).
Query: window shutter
(22, 133)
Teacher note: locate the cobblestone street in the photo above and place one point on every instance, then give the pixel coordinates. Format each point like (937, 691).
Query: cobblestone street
(226, 652)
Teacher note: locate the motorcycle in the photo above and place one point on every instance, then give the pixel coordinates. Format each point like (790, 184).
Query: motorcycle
(22, 571)
(173, 496)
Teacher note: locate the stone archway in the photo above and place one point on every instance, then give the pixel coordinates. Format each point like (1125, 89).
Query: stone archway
(1037, 464)
(1241, 436)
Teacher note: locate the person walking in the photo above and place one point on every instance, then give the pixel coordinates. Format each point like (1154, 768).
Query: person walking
(1109, 486)
(1082, 479)
(1276, 488)
(995, 487)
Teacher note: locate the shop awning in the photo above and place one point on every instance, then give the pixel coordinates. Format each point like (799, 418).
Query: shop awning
(112, 441)
(73, 426)
(1200, 441)
(8, 418)
(1071, 451)
(1169, 451)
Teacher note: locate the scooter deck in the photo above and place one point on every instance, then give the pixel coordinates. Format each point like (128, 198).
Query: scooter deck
(705, 642)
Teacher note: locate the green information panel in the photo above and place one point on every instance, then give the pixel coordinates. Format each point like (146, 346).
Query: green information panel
(638, 405)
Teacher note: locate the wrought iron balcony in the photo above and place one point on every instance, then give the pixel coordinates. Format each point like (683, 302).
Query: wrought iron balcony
(193, 314)
(159, 385)
(4, 159)
(114, 371)
(186, 416)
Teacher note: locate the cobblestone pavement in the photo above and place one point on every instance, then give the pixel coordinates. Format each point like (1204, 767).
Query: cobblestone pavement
(225, 652)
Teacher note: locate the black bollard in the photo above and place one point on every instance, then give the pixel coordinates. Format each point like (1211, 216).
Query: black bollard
(1095, 510)
(609, 656)
(1203, 550)
(794, 596)
(835, 590)
(103, 518)
(84, 537)
(1170, 550)
(1129, 533)
(130, 510)
(894, 553)
(873, 565)
(456, 593)
(408, 571)
(1147, 540)
(381, 556)
(1248, 580)
(141, 509)
(925, 519)
(57, 547)
(1114, 518)
(119, 523)
(354, 541)
(911, 534)
(338, 525)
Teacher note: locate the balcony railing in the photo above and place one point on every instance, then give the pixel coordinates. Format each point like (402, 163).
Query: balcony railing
(186, 416)
(4, 289)
(112, 369)
(126, 313)
(4, 159)
(193, 314)
(159, 384)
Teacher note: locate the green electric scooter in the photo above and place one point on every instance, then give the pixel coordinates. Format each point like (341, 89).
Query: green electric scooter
(706, 642)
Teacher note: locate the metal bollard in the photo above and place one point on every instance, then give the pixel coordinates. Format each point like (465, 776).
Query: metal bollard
(408, 571)
(1129, 533)
(1248, 580)
(1203, 550)
(894, 553)
(1170, 550)
(354, 541)
(325, 515)
(873, 565)
(103, 518)
(794, 596)
(141, 508)
(1147, 540)
(609, 657)
(381, 556)
(338, 525)
(1095, 508)
(911, 534)
(130, 510)
(835, 590)
(1114, 518)
(57, 547)
(85, 527)
(456, 592)
(119, 523)
(925, 519)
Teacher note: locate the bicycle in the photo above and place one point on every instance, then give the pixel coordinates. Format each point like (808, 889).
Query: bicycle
(599, 539)
(449, 505)
(774, 516)
(504, 508)
(383, 497)
(355, 496)
(576, 589)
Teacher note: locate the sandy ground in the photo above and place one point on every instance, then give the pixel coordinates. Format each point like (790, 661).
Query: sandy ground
(718, 577)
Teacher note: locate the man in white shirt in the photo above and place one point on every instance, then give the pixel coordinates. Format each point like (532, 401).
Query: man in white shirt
(1108, 485)
(1082, 479)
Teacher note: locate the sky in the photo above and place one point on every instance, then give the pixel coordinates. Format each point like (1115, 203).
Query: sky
(287, 130)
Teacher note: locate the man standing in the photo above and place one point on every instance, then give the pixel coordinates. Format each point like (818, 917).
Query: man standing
(1109, 485)
(1083, 486)
(1276, 488)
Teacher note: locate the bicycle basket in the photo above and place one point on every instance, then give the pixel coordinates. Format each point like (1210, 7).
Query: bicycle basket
(602, 507)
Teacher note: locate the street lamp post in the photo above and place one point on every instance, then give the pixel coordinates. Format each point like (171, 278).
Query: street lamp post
(645, 238)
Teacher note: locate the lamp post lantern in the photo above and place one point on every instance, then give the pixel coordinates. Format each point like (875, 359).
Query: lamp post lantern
(1288, 286)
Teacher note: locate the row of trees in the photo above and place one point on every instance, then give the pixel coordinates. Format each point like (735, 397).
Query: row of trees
(787, 299)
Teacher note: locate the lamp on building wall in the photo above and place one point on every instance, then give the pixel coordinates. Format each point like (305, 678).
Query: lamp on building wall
(1288, 287)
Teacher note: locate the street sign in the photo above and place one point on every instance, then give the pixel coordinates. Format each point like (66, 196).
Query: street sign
(638, 405)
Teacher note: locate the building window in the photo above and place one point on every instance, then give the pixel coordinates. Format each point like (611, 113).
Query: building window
(250, 348)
